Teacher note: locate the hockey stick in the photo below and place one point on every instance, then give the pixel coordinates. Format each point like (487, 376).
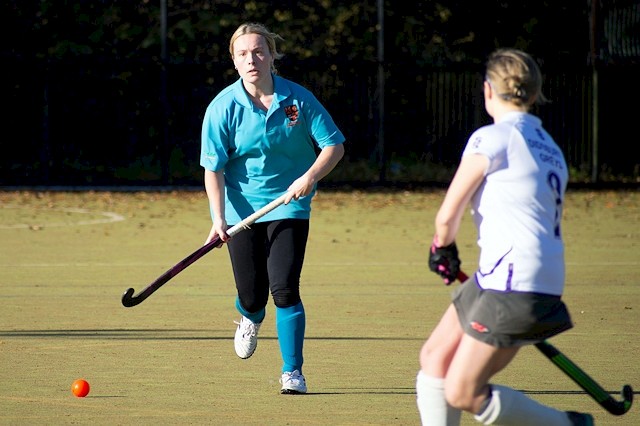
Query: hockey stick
(581, 378)
(129, 300)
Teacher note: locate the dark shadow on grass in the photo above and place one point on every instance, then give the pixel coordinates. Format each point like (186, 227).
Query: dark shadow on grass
(412, 391)
(367, 391)
(166, 334)
(104, 396)
(576, 392)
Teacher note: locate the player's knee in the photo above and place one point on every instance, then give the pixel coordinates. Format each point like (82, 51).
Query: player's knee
(435, 358)
(285, 298)
(252, 303)
(456, 399)
(459, 396)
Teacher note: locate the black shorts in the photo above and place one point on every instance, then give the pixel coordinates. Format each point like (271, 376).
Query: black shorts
(506, 319)
(268, 257)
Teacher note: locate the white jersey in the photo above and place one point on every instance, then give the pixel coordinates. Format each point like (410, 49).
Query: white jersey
(518, 208)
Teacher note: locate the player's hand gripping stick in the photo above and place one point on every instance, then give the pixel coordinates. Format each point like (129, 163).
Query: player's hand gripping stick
(444, 260)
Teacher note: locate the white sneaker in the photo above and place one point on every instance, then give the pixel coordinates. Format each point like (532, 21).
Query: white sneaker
(246, 338)
(293, 383)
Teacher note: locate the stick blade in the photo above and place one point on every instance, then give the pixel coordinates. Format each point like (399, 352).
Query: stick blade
(128, 300)
(627, 396)
(618, 408)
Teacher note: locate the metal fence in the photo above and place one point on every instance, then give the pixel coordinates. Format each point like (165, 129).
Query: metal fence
(83, 123)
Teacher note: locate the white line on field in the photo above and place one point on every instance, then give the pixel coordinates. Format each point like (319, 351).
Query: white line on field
(110, 217)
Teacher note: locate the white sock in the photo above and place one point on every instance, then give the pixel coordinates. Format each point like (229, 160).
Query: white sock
(433, 408)
(509, 407)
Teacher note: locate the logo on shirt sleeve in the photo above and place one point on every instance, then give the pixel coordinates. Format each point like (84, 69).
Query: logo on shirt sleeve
(291, 111)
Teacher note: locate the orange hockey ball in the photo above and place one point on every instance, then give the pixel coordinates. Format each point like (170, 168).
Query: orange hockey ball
(80, 388)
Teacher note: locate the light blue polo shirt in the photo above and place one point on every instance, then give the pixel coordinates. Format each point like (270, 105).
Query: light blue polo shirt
(262, 153)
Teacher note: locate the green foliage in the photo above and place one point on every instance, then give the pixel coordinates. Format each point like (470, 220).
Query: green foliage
(418, 33)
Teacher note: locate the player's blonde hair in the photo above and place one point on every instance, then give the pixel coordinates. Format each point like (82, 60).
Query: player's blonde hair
(255, 28)
(515, 76)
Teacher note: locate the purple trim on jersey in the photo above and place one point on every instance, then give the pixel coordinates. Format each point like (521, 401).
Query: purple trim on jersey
(510, 277)
(508, 283)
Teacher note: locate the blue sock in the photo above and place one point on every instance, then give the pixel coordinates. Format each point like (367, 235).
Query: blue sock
(256, 317)
(290, 323)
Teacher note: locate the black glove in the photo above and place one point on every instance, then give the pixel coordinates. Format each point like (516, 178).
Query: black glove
(444, 261)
